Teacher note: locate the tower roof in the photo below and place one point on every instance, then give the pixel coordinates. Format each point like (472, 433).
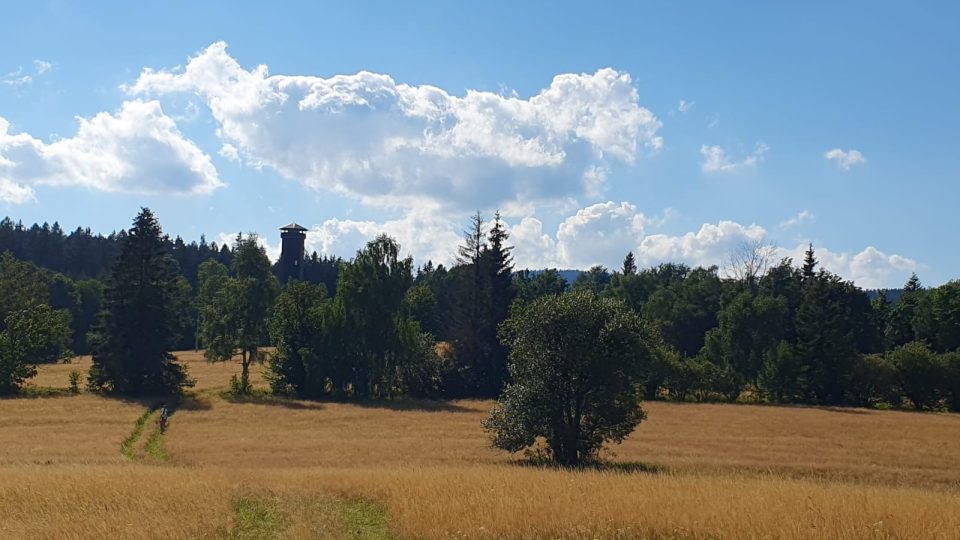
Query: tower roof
(293, 227)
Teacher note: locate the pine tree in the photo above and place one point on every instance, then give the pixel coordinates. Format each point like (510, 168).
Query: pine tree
(132, 352)
(629, 265)
(809, 264)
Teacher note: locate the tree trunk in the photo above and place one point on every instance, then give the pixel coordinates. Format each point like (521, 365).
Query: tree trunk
(245, 373)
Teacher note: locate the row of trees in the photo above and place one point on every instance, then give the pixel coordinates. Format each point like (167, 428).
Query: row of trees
(376, 327)
(84, 256)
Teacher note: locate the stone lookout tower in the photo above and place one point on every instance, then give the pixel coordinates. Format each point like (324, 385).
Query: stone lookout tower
(292, 237)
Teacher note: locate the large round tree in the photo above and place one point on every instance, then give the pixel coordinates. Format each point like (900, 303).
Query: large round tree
(576, 365)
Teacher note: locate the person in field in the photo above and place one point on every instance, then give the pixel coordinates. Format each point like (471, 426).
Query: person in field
(164, 417)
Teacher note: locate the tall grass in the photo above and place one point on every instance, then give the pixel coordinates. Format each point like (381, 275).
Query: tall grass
(291, 469)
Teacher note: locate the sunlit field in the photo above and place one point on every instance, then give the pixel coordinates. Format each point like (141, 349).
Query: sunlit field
(71, 467)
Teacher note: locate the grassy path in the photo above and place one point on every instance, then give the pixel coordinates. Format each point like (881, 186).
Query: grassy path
(259, 516)
(283, 517)
(138, 447)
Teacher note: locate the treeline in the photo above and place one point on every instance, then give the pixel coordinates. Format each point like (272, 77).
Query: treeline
(375, 326)
(72, 271)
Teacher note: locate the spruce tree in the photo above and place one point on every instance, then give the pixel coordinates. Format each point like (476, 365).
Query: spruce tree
(137, 329)
(498, 265)
(471, 294)
(913, 284)
(826, 341)
(809, 264)
(900, 324)
(629, 265)
(484, 291)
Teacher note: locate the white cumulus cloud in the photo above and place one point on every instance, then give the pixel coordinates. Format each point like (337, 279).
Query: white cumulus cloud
(869, 268)
(595, 233)
(602, 234)
(384, 142)
(845, 159)
(712, 244)
(11, 192)
(136, 150)
(716, 159)
(420, 234)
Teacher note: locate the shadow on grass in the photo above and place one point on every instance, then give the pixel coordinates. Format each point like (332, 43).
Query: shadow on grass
(262, 397)
(424, 405)
(272, 401)
(843, 410)
(38, 392)
(187, 402)
(625, 467)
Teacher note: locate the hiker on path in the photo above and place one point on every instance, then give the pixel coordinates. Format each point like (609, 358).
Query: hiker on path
(164, 417)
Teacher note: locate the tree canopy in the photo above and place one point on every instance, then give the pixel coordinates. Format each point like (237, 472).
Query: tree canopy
(576, 364)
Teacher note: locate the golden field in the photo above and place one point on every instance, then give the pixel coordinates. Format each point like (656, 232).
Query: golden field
(294, 469)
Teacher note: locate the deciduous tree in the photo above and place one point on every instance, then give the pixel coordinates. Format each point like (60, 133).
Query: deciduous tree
(576, 363)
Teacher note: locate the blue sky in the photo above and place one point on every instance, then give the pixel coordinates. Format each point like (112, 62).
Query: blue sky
(678, 132)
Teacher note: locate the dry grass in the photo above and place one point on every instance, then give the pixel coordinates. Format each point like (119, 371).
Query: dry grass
(890, 447)
(208, 375)
(58, 375)
(478, 501)
(82, 429)
(297, 467)
(213, 375)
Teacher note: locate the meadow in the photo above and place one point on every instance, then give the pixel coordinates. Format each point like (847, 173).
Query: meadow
(86, 466)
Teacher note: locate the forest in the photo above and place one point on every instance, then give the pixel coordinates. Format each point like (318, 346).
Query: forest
(377, 326)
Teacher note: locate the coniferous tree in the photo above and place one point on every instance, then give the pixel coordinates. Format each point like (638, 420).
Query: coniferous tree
(826, 341)
(138, 325)
(483, 291)
(809, 264)
(629, 265)
(903, 314)
(471, 296)
(498, 265)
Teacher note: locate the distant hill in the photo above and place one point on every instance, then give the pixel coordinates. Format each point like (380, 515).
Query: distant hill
(569, 275)
(892, 294)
